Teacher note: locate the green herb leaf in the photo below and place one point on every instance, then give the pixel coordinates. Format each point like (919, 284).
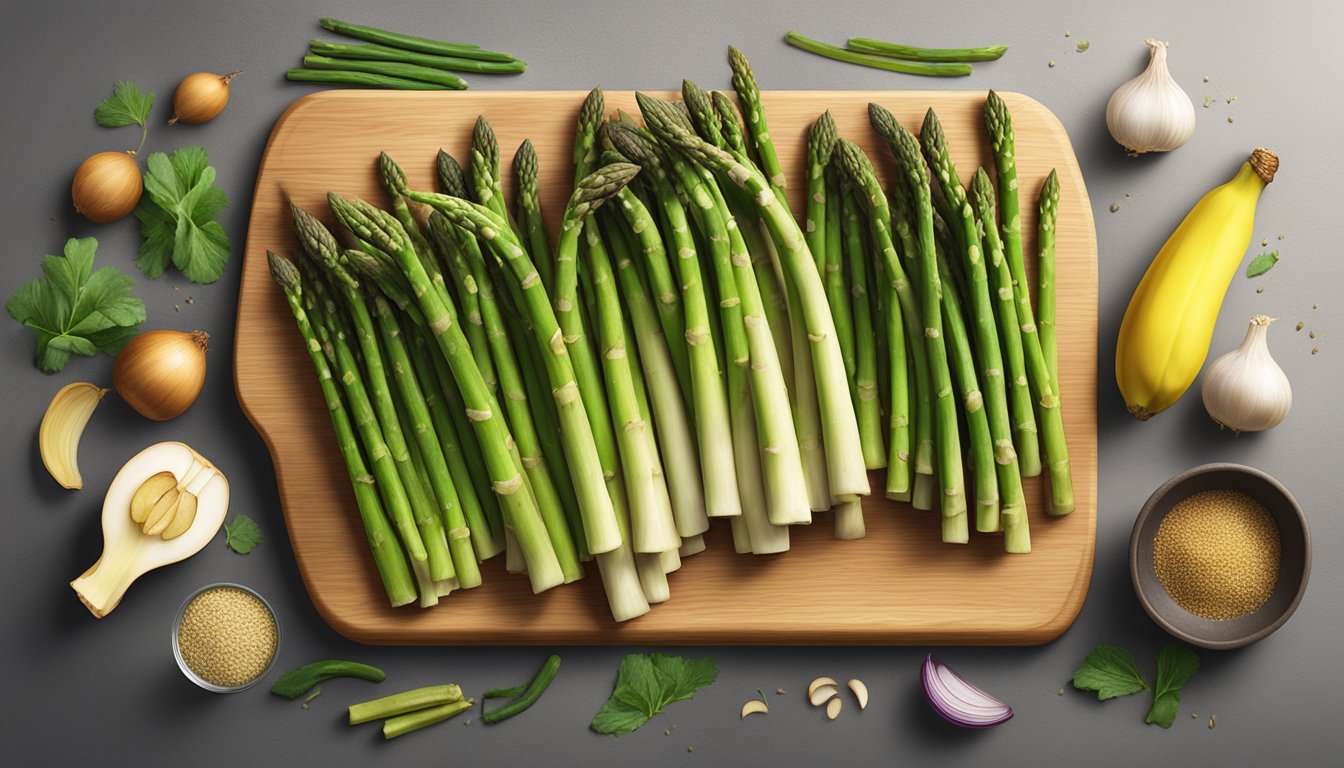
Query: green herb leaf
(1111, 672)
(126, 106)
(1176, 664)
(75, 310)
(177, 217)
(242, 535)
(1262, 264)
(645, 684)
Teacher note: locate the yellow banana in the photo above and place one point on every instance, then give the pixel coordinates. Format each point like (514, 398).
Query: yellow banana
(1165, 335)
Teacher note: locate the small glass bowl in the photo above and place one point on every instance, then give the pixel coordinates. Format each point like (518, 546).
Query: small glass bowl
(177, 648)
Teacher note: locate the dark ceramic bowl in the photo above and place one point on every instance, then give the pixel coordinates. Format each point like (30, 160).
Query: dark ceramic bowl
(1294, 561)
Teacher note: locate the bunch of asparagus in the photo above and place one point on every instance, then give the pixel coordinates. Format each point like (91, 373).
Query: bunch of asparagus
(684, 349)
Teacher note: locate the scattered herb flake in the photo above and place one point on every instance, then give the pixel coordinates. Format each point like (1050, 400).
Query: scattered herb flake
(645, 684)
(1083, 45)
(242, 535)
(177, 217)
(1111, 672)
(1061, 691)
(1299, 325)
(1262, 263)
(1264, 242)
(75, 310)
(1176, 664)
(1231, 99)
(1115, 207)
(1311, 334)
(1208, 100)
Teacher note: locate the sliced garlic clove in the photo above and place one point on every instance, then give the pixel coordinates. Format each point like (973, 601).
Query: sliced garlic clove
(149, 493)
(162, 513)
(860, 692)
(820, 681)
(833, 709)
(183, 518)
(62, 426)
(821, 694)
(755, 707)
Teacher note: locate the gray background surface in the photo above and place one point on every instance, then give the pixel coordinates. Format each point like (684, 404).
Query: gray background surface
(80, 690)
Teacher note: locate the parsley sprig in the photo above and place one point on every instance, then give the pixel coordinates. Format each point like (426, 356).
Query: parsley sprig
(1111, 672)
(126, 106)
(177, 217)
(645, 684)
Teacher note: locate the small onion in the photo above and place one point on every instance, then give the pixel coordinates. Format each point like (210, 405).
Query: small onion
(160, 373)
(107, 186)
(959, 702)
(200, 97)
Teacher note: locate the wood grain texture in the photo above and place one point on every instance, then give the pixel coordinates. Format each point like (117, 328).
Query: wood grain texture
(899, 585)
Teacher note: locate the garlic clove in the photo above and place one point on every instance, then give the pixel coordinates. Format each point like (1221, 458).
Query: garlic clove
(149, 493)
(1245, 390)
(860, 693)
(1150, 113)
(822, 694)
(62, 426)
(755, 707)
(833, 709)
(820, 681)
(182, 518)
(162, 513)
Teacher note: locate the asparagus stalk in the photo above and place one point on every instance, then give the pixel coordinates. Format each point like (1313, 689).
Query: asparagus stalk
(1045, 277)
(383, 53)
(986, 336)
(939, 69)
(917, 53)
(844, 458)
(749, 94)
(1050, 420)
(389, 68)
(412, 43)
(820, 200)
(946, 439)
(519, 509)
(366, 79)
(834, 274)
(852, 259)
(388, 556)
(1021, 411)
(487, 181)
(530, 220)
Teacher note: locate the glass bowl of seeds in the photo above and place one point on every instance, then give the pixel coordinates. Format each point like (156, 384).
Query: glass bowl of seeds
(225, 637)
(1220, 555)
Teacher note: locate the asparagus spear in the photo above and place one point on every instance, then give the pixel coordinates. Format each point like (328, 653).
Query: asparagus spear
(986, 335)
(389, 68)
(383, 53)
(744, 82)
(530, 220)
(820, 196)
(844, 458)
(412, 43)
(1045, 278)
(388, 556)
(941, 69)
(947, 441)
(917, 53)
(1023, 415)
(1050, 420)
(519, 509)
(834, 274)
(852, 259)
(368, 80)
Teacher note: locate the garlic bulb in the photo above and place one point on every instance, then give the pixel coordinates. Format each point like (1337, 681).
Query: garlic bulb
(1151, 113)
(1245, 390)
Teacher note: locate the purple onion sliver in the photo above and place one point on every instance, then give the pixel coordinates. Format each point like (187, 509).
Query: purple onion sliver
(957, 701)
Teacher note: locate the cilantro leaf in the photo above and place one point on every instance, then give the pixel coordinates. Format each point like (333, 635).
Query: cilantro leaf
(1176, 664)
(177, 217)
(126, 106)
(1111, 672)
(645, 684)
(1262, 264)
(242, 535)
(75, 310)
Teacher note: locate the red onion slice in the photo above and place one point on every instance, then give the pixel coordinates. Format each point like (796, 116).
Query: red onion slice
(959, 702)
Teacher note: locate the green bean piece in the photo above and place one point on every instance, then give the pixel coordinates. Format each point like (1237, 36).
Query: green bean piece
(534, 691)
(406, 701)
(297, 682)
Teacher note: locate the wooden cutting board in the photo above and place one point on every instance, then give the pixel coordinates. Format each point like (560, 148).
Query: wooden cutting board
(899, 585)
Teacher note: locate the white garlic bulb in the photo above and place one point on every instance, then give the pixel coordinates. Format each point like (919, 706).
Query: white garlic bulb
(1245, 390)
(1151, 113)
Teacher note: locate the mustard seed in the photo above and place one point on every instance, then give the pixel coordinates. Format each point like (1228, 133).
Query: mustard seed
(227, 636)
(1217, 554)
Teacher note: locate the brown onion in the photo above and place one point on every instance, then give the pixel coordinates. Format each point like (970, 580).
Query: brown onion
(201, 96)
(107, 186)
(160, 373)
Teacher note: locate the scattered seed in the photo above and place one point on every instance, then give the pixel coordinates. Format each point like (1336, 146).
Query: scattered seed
(1115, 207)
(1213, 720)
(1061, 691)
(1208, 100)
(1299, 325)
(1280, 237)
(1194, 715)
(1315, 350)
(1083, 45)
(779, 691)
(692, 749)
(466, 722)
(1264, 241)
(1311, 334)
(1051, 64)
(176, 288)
(1313, 306)
(1260, 289)
(667, 731)
(190, 300)
(1231, 99)
(1206, 78)
(1128, 195)
(1068, 34)
(177, 308)
(1229, 119)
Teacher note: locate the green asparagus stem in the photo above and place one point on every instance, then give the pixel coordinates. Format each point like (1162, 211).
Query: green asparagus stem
(820, 143)
(1050, 419)
(486, 179)
(388, 68)
(383, 53)
(530, 220)
(744, 82)
(388, 557)
(401, 703)
(412, 43)
(1045, 279)
(368, 80)
(876, 62)
(834, 274)
(585, 140)
(421, 718)
(852, 258)
(917, 53)
(519, 509)
(947, 441)
(530, 696)
(985, 332)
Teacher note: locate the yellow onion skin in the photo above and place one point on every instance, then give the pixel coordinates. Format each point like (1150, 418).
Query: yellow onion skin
(160, 373)
(107, 186)
(201, 97)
